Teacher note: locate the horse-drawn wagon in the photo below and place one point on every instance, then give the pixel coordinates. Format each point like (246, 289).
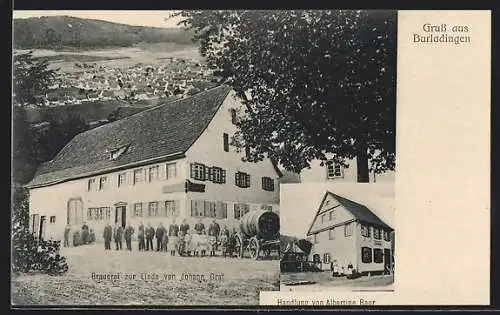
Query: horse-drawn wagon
(258, 233)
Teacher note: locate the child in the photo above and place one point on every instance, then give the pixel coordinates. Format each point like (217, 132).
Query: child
(212, 242)
(195, 241)
(203, 242)
(224, 240)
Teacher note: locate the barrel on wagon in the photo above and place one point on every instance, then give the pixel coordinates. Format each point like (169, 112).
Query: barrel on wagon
(258, 233)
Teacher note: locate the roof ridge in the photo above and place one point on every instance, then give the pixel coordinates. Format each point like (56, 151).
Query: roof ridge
(155, 107)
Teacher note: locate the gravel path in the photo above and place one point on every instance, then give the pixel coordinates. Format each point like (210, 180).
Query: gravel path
(147, 278)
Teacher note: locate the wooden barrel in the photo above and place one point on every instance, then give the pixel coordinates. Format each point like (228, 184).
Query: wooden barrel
(261, 223)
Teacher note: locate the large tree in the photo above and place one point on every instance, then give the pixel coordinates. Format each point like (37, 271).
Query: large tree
(313, 82)
(31, 79)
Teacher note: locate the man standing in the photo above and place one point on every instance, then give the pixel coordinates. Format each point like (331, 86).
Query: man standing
(214, 229)
(140, 237)
(184, 227)
(67, 229)
(85, 233)
(198, 227)
(159, 237)
(150, 234)
(107, 236)
(129, 231)
(173, 233)
(118, 233)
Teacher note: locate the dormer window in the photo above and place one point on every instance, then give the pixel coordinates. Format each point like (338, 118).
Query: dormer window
(116, 152)
(334, 170)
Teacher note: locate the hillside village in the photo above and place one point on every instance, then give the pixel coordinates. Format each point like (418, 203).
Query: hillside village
(172, 77)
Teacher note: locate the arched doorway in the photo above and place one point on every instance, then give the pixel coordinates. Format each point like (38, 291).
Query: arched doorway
(75, 211)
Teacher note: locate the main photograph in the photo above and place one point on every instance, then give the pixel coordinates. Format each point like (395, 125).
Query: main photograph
(150, 153)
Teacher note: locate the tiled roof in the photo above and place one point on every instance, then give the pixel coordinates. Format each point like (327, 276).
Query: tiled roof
(164, 130)
(360, 212)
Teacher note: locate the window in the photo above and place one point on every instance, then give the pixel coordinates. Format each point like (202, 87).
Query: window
(326, 258)
(387, 236)
(153, 173)
(91, 184)
(172, 208)
(334, 170)
(138, 176)
(233, 116)
(52, 219)
(240, 209)
(242, 180)
(210, 209)
(316, 258)
(316, 238)
(153, 209)
(348, 229)
(366, 255)
(197, 208)
(225, 138)
(331, 234)
(267, 183)
(378, 256)
(266, 207)
(138, 210)
(332, 215)
(107, 213)
(115, 153)
(377, 233)
(198, 171)
(122, 179)
(171, 170)
(102, 183)
(217, 175)
(365, 230)
(90, 214)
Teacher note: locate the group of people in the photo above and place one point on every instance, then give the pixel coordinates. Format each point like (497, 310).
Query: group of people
(82, 236)
(177, 239)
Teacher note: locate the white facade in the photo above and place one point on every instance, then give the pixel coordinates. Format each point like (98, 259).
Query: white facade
(163, 196)
(319, 173)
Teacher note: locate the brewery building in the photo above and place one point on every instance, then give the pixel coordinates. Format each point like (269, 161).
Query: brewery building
(345, 232)
(175, 160)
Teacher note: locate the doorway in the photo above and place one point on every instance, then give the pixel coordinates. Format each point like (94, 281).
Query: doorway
(121, 215)
(387, 261)
(43, 223)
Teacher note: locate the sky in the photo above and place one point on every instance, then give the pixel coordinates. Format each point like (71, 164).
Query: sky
(300, 202)
(141, 18)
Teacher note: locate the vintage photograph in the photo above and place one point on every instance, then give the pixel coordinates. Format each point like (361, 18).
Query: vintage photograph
(150, 149)
(337, 236)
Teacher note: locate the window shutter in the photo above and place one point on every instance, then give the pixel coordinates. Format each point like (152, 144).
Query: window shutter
(218, 210)
(237, 179)
(192, 170)
(193, 205)
(224, 210)
(236, 211)
(247, 180)
(162, 210)
(206, 209)
(223, 176)
(177, 208)
(210, 173)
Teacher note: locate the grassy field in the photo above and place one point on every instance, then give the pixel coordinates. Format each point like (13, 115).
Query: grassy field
(325, 281)
(234, 281)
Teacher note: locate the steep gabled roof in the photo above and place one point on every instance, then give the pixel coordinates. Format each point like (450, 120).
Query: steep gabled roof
(360, 212)
(167, 130)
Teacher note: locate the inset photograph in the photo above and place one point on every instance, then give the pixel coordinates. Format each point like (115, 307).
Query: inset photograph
(337, 236)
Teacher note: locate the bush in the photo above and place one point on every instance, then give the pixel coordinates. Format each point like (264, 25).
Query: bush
(33, 255)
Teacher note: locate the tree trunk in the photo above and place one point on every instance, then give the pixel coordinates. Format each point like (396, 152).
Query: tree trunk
(362, 162)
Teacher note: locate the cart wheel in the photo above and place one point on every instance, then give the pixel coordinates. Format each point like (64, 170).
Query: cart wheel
(254, 247)
(238, 246)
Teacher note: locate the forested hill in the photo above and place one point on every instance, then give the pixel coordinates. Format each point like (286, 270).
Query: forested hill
(66, 32)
